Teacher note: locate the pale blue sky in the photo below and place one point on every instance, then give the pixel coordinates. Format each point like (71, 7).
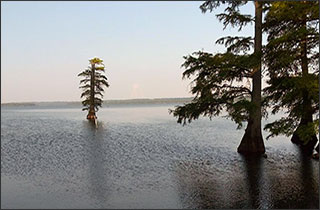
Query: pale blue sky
(44, 45)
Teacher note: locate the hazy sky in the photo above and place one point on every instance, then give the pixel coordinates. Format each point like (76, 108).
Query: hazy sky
(44, 45)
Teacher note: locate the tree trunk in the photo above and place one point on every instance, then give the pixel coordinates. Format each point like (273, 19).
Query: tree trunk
(252, 141)
(306, 118)
(92, 114)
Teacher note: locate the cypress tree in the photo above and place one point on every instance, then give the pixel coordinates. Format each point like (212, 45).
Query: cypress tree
(292, 57)
(92, 86)
(218, 82)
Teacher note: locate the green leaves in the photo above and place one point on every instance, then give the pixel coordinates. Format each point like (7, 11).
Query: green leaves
(218, 79)
(286, 126)
(85, 73)
(239, 111)
(93, 84)
(95, 61)
(218, 83)
(86, 93)
(232, 15)
(293, 69)
(217, 86)
(209, 5)
(235, 19)
(289, 93)
(236, 44)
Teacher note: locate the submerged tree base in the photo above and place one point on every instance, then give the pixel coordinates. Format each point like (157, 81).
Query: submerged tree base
(250, 145)
(91, 117)
(306, 148)
(93, 120)
(252, 142)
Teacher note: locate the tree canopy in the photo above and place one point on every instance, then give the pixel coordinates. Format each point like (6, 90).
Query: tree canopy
(292, 58)
(219, 78)
(93, 84)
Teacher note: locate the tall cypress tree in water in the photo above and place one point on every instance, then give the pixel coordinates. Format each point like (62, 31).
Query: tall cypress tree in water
(219, 78)
(92, 86)
(292, 56)
(252, 140)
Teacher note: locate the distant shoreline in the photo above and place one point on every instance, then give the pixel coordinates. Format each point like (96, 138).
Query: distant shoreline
(105, 102)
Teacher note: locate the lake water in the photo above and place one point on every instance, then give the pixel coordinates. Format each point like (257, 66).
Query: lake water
(139, 157)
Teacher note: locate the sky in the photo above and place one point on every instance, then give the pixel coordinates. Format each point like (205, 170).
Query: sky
(45, 45)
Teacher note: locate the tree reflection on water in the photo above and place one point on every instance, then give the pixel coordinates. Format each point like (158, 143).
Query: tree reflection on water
(251, 182)
(99, 185)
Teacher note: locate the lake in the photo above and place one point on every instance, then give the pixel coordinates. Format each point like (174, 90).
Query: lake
(139, 157)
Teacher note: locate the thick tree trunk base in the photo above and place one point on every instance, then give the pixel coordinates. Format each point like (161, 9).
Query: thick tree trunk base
(91, 117)
(251, 145)
(306, 148)
(252, 142)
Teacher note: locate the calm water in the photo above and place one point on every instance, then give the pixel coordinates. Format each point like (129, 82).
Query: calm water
(139, 157)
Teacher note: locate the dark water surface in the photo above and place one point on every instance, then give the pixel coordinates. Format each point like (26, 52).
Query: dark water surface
(139, 157)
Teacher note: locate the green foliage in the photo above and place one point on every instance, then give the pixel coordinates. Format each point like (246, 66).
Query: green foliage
(286, 126)
(218, 82)
(96, 61)
(305, 132)
(231, 16)
(93, 92)
(288, 91)
(236, 44)
(219, 79)
(218, 85)
(289, 25)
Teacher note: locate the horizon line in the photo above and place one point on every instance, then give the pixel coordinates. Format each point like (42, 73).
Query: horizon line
(126, 99)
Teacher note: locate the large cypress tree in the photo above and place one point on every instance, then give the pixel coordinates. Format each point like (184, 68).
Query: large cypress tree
(92, 86)
(292, 58)
(219, 79)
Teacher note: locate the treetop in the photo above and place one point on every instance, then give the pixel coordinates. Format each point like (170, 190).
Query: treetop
(95, 61)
